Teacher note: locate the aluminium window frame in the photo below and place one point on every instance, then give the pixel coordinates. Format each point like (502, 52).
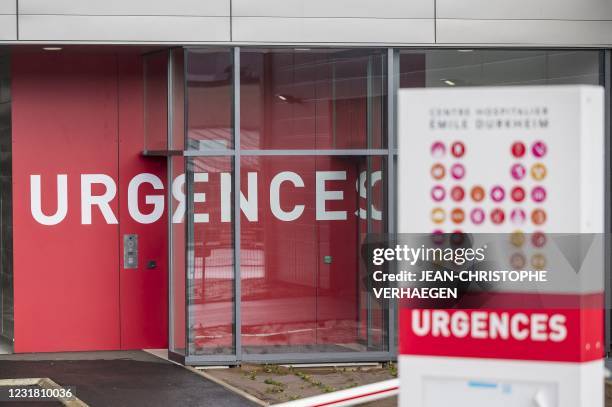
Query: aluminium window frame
(390, 153)
(236, 153)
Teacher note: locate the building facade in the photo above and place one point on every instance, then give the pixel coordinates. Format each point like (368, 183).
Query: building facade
(201, 175)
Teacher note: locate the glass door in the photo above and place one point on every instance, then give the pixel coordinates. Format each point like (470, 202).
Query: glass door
(281, 176)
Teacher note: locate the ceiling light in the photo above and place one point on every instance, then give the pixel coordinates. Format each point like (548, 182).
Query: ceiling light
(52, 48)
(288, 98)
(465, 50)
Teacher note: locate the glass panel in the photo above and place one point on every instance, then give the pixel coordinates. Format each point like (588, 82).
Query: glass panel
(435, 68)
(210, 253)
(156, 101)
(303, 222)
(178, 100)
(373, 312)
(209, 99)
(312, 99)
(177, 312)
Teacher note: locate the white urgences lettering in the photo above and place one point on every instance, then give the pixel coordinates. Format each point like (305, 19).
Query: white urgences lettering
(519, 326)
(327, 188)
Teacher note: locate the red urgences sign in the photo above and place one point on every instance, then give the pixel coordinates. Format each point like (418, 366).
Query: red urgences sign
(506, 333)
(280, 184)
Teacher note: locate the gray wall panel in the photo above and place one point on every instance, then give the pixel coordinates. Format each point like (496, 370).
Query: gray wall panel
(334, 8)
(391, 22)
(126, 7)
(525, 9)
(8, 7)
(8, 27)
(524, 32)
(326, 30)
(115, 28)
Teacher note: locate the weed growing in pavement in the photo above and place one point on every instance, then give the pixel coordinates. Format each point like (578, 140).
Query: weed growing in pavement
(314, 383)
(274, 369)
(274, 383)
(392, 368)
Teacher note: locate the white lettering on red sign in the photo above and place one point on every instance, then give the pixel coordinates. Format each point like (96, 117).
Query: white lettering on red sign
(284, 182)
(538, 327)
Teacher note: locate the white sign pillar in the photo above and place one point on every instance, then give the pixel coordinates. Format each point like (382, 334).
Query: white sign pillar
(505, 160)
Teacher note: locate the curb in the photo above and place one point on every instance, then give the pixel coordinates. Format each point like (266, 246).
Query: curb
(236, 390)
(205, 375)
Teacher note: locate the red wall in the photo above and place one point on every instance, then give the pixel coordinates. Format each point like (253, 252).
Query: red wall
(79, 113)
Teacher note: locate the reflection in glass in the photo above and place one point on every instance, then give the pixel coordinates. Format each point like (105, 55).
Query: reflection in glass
(178, 100)
(302, 272)
(444, 68)
(209, 99)
(315, 99)
(303, 281)
(177, 283)
(210, 254)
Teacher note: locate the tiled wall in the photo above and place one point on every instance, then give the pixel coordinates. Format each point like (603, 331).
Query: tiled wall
(521, 22)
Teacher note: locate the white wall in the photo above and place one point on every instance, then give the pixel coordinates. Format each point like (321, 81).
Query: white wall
(417, 22)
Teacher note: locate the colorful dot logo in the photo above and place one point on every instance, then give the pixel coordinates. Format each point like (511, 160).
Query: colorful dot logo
(518, 149)
(497, 216)
(538, 239)
(438, 215)
(538, 149)
(518, 171)
(477, 216)
(437, 237)
(458, 149)
(457, 171)
(538, 171)
(538, 261)
(457, 215)
(477, 193)
(437, 171)
(538, 216)
(517, 194)
(538, 194)
(457, 193)
(438, 193)
(497, 193)
(437, 149)
(517, 216)
(517, 238)
(517, 261)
